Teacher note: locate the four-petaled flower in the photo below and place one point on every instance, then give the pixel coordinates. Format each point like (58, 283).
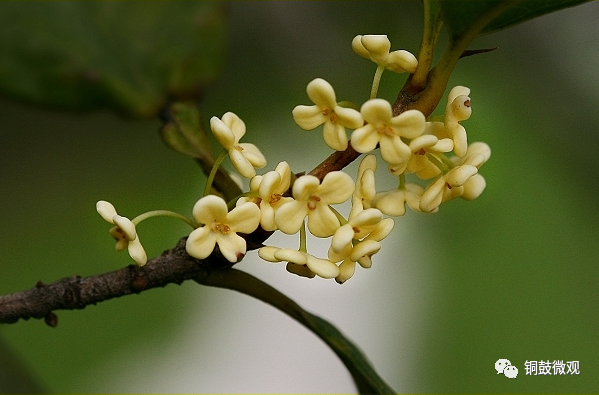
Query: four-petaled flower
(244, 156)
(376, 48)
(123, 232)
(359, 251)
(221, 227)
(312, 199)
(387, 131)
(326, 110)
(270, 189)
(462, 180)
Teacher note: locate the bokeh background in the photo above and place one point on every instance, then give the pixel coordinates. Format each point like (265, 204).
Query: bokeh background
(513, 274)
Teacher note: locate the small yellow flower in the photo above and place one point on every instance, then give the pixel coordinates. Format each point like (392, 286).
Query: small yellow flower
(221, 227)
(312, 199)
(244, 156)
(123, 232)
(326, 111)
(387, 131)
(376, 48)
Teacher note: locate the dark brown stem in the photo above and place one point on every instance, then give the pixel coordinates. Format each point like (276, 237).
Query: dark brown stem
(173, 266)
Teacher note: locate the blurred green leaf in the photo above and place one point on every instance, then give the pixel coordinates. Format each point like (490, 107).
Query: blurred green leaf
(460, 16)
(125, 56)
(183, 132)
(366, 378)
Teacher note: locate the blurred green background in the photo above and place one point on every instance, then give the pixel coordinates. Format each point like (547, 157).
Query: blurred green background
(511, 275)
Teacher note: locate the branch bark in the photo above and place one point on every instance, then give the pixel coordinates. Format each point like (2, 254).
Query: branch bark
(173, 266)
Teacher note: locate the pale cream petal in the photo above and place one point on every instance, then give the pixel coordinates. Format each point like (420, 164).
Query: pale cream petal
(349, 117)
(267, 216)
(377, 111)
(290, 255)
(457, 91)
(232, 246)
(322, 94)
(270, 182)
(241, 163)
(401, 61)
(473, 187)
(346, 271)
(358, 47)
(126, 226)
(289, 218)
(268, 254)
(236, 125)
(423, 141)
(223, 133)
(365, 248)
(304, 187)
(336, 187)
(244, 218)
(378, 46)
(285, 171)
(322, 222)
(335, 136)
(201, 242)
(209, 209)
(308, 117)
(322, 267)
(391, 202)
(382, 230)
(458, 175)
(106, 210)
(432, 196)
(410, 124)
(252, 154)
(365, 139)
(342, 238)
(460, 108)
(394, 151)
(137, 252)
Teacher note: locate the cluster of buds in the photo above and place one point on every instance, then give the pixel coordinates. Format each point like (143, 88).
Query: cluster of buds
(436, 152)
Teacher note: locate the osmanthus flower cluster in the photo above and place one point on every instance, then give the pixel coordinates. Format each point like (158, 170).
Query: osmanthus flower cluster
(431, 160)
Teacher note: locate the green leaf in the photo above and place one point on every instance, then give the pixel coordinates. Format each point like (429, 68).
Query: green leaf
(127, 56)
(461, 16)
(365, 377)
(182, 131)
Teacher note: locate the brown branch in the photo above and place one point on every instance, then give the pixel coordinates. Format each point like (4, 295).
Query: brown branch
(173, 266)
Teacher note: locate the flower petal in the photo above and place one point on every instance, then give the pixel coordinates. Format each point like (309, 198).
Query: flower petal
(346, 271)
(209, 209)
(137, 252)
(201, 242)
(231, 245)
(365, 139)
(223, 133)
(253, 155)
(289, 218)
(335, 136)
(235, 124)
(322, 267)
(241, 163)
(244, 218)
(106, 210)
(126, 226)
(322, 222)
(410, 124)
(336, 187)
(322, 94)
(308, 117)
